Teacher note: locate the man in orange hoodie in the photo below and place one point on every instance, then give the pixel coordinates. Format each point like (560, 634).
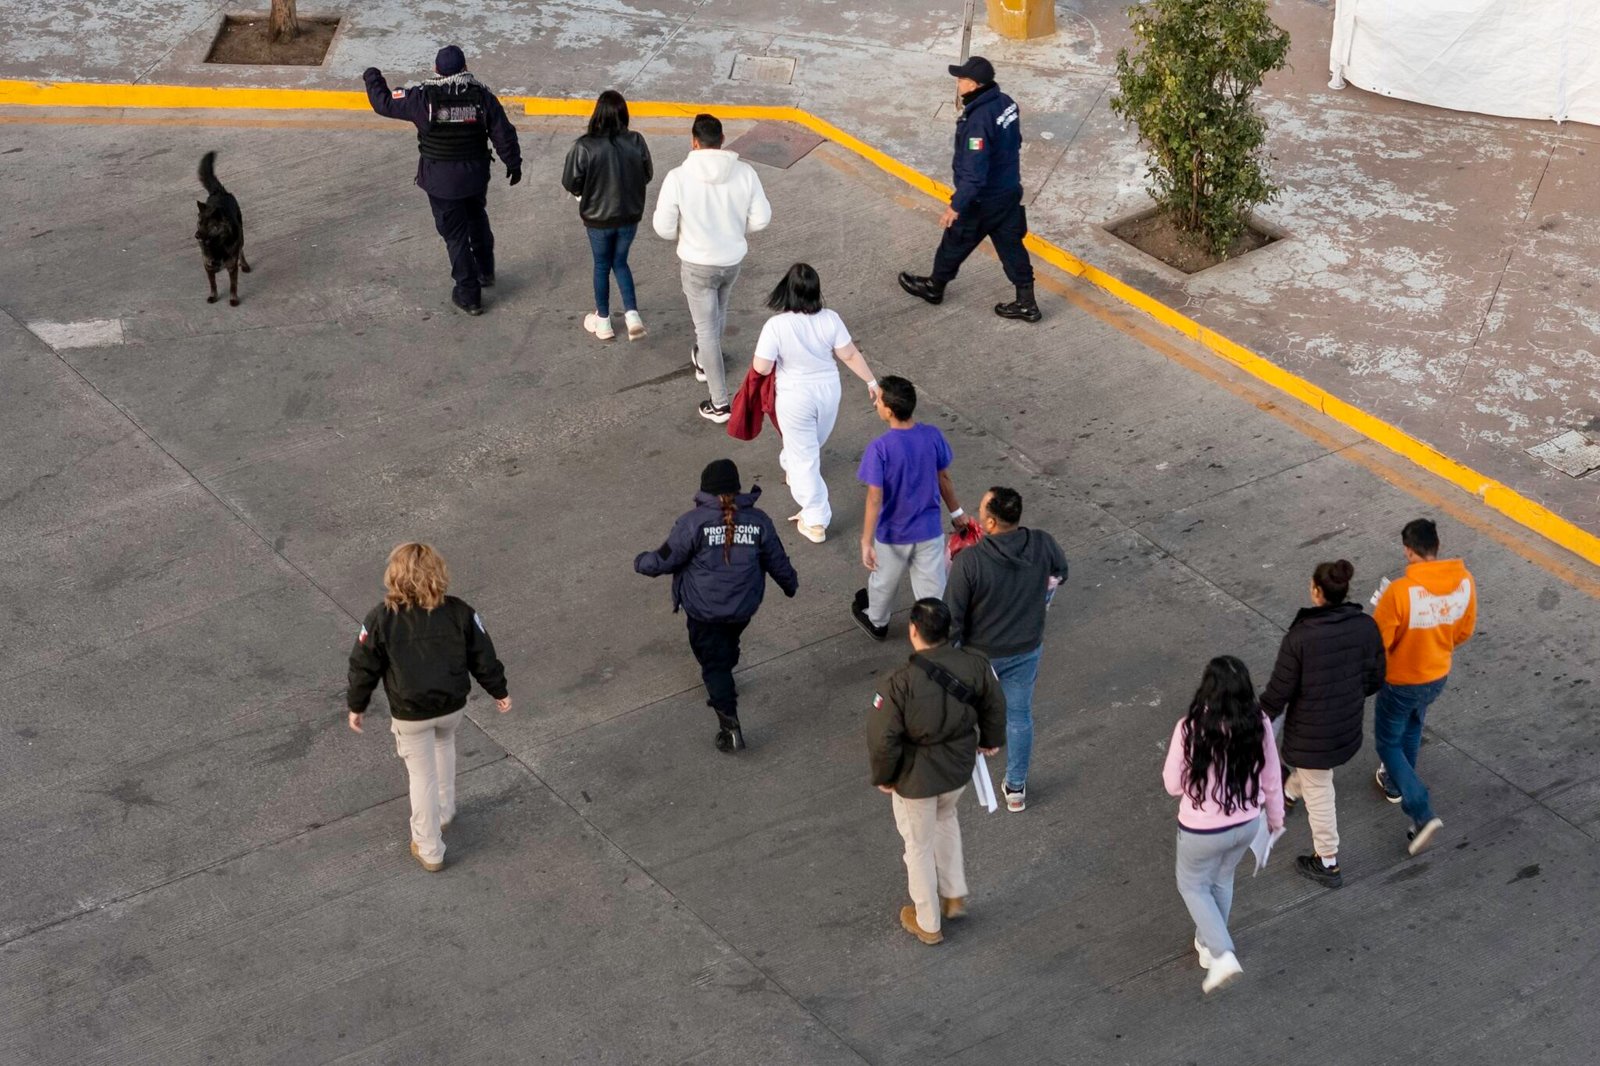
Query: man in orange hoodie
(1424, 617)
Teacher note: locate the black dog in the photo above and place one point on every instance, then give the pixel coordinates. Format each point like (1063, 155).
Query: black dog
(220, 232)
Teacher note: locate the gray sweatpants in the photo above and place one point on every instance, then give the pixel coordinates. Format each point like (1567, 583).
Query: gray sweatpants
(707, 288)
(1205, 880)
(927, 563)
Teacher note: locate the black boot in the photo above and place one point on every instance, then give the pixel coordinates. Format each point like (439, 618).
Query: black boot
(923, 288)
(730, 737)
(1022, 307)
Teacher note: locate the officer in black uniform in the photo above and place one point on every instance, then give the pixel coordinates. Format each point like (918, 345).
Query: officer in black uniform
(456, 118)
(988, 196)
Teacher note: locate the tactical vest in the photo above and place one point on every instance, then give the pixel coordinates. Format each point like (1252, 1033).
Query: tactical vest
(458, 125)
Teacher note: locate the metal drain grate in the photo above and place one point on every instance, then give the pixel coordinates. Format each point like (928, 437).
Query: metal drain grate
(769, 70)
(1572, 453)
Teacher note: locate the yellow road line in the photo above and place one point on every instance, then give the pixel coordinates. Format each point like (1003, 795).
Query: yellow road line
(1490, 492)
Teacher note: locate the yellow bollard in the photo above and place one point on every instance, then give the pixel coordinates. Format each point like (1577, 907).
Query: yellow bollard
(1022, 19)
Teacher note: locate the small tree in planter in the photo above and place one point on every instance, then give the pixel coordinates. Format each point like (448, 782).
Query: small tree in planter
(1188, 90)
(282, 24)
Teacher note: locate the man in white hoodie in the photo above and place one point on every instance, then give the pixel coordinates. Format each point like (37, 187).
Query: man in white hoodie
(708, 205)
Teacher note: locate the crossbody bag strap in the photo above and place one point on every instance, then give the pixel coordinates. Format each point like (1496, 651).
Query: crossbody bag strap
(947, 681)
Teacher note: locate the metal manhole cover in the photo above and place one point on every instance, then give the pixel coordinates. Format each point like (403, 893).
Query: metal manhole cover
(771, 70)
(1571, 453)
(774, 144)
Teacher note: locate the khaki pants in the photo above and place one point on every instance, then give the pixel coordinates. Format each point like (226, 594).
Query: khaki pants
(429, 749)
(933, 852)
(1315, 787)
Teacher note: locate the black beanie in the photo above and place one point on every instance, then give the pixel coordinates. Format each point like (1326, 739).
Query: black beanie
(720, 477)
(450, 60)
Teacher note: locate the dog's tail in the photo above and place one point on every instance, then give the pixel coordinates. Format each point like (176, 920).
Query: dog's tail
(208, 175)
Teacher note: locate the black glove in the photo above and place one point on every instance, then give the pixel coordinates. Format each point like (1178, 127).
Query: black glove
(370, 73)
(513, 174)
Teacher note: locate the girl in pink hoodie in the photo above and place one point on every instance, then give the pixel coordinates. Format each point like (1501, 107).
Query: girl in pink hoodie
(1223, 764)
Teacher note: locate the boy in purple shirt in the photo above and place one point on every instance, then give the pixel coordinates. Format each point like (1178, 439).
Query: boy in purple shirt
(906, 472)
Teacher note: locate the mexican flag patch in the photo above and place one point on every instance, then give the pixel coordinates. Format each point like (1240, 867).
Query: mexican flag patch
(974, 144)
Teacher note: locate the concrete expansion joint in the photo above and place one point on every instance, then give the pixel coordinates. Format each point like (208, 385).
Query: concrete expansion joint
(1520, 509)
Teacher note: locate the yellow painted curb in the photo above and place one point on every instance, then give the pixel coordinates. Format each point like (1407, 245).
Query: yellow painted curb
(1492, 493)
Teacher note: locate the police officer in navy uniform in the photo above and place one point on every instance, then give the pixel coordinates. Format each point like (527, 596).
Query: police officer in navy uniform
(456, 117)
(988, 196)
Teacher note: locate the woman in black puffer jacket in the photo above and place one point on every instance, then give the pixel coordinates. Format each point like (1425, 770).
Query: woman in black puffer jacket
(1330, 661)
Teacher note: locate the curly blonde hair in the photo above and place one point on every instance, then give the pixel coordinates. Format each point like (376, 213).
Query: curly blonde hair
(415, 577)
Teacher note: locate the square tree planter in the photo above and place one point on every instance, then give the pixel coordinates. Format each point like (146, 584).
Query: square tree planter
(1152, 232)
(244, 39)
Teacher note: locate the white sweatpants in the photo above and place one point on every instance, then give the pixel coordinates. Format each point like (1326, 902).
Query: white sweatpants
(807, 409)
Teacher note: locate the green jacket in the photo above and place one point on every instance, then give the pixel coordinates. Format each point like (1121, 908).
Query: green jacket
(923, 741)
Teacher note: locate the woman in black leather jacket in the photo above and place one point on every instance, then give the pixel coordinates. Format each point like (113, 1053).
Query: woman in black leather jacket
(607, 170)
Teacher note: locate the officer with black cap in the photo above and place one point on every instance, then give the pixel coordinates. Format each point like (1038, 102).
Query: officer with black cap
(456, 118)
(988, 196)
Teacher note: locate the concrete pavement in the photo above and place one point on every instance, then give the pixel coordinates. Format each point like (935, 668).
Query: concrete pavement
(206, 865)
(1437, 273)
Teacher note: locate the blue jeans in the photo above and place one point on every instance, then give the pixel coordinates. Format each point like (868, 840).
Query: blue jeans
(1397, 717)
(610, 250)
(1017, 673)
(1205, 866)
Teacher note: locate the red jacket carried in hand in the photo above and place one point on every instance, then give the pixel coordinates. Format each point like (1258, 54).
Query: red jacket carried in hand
(756, 397)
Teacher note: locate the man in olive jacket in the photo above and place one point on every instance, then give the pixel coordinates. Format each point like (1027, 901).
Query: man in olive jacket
(929, 720)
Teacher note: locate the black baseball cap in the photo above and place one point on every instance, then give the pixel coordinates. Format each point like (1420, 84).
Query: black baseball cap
(977, 68)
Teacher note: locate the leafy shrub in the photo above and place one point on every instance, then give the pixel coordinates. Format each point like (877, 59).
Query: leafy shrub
(1188, 90)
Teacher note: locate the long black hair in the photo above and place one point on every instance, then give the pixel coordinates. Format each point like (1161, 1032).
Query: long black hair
(610, 115)
(1222, 738)
(800, 290)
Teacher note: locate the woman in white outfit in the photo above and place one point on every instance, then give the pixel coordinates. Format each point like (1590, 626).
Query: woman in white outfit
(800, 344)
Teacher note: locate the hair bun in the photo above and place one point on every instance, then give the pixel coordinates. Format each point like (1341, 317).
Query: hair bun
(1343, 571)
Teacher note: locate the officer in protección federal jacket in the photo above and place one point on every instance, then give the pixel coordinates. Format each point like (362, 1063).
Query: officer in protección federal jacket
(988, 197)
(456, 118)
(720, 555)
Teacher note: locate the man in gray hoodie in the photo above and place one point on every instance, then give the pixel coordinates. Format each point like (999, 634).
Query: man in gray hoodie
(998, 592)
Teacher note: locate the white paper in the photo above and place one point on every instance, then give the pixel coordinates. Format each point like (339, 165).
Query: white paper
(1376, 596)
(1262, 844)
(982, 786)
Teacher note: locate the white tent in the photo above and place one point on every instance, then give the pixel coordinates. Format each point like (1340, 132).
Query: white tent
(1518, 58)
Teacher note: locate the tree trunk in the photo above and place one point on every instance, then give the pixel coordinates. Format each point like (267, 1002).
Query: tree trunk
(282, 25)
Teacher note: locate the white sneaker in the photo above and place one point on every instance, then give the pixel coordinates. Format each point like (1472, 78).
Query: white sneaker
(1420, 835)
(600, 327)
(1222, 972)
(815, 534)
(635, 325)
(1205, 956)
